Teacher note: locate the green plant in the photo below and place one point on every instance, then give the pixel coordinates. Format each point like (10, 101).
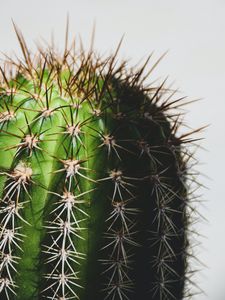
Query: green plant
(95, 197)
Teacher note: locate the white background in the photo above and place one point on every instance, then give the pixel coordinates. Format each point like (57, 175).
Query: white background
(194, 33)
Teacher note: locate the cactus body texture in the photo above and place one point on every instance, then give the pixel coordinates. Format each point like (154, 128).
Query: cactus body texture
(94, 197)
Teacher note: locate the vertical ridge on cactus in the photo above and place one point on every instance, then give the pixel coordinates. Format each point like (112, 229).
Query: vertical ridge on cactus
(94, 181)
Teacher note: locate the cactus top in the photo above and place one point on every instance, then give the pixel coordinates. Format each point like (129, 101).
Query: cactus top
(94, 181)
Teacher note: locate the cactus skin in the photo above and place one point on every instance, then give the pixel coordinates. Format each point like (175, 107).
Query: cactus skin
(94, 194)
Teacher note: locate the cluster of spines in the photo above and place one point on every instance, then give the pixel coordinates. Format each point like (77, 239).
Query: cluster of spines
(62, 252)
(67, 214)
(164, 237)
(10, 236)
(119, 232)
(119, 239)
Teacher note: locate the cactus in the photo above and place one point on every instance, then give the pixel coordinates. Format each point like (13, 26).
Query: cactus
(94, 181)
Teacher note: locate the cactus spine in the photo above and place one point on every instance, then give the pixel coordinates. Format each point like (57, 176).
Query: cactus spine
(95, 197)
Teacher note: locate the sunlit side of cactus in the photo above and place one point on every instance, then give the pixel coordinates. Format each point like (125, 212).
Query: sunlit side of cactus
(95, 182)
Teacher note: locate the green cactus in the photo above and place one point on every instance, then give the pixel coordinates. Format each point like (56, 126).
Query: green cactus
(94, 191)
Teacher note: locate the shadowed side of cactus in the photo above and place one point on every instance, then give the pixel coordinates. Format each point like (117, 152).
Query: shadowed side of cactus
(94, 196)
